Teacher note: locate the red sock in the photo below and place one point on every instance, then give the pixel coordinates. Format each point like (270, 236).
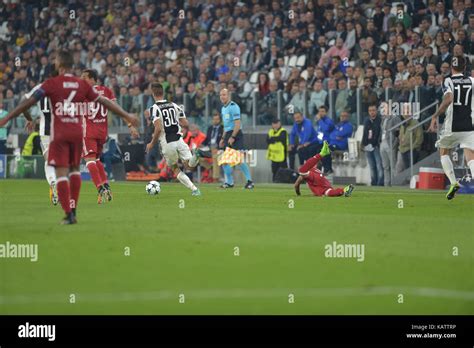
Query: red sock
(103, 174)
(75, 184)
(310, 163)
(95, 174)
(334, 192)
(62, 186)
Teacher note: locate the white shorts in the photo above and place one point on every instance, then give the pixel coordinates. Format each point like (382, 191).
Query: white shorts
(45, 143)
(464, 139)
(176, 150)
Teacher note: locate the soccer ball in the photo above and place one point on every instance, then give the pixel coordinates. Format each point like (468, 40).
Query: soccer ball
(153, 188)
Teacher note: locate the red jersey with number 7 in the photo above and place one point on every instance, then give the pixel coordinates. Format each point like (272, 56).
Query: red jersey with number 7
(70, 97)
(95, 124)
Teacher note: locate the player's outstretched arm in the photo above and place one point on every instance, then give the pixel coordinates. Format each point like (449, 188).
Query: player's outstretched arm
(183, 122)
(234, 132)
(236, 128)
(27, 115)
(447, 100)
(156, 135)
(297, 185)
(21, 108)
(30, 125)
(115, 108)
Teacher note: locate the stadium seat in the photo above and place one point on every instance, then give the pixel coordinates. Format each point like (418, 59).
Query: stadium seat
(301, 61)
(359, 133)
(304, 75)
(353, 149)
(292, 61)
(171, 55)
(254, 78)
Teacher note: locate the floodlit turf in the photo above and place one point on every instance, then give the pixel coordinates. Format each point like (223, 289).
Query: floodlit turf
(189, 250)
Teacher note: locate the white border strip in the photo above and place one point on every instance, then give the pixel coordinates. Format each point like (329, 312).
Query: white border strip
(218, 294)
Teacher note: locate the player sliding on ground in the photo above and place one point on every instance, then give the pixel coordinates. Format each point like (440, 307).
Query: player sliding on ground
(95, 136)
(69, 97)
(317, 183)
(459, 122)
(168, 118)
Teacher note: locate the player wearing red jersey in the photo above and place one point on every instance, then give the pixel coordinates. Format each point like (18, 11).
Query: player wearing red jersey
(317, 183)
(95, 136)
(70, 97)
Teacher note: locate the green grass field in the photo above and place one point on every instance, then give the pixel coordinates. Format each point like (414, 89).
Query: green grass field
(190, 251)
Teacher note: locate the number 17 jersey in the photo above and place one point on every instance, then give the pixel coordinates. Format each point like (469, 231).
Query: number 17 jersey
(169, 113)
(460, 113)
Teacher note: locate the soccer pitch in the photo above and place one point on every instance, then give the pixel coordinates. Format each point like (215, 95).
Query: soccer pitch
(237, 252)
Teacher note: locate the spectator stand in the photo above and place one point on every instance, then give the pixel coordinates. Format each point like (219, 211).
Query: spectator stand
(134, 44)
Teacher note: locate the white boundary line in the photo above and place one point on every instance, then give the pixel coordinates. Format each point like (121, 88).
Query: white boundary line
(219, 294)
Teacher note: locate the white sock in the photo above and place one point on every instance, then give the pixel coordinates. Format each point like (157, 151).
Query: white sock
(184, 179)
(448, 168)
(50, 173)
(471, 167)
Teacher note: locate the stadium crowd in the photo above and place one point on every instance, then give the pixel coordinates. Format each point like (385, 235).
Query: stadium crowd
(302, 54)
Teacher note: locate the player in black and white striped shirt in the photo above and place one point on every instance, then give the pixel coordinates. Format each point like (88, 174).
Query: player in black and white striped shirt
(459, 122)
(44, 106)
(168, 118)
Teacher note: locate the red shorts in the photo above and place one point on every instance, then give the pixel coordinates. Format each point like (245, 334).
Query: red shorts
(93, 147)
(318, 190)
(64, 153)
(317, 183)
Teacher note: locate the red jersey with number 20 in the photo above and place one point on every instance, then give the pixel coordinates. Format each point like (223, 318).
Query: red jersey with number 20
(69, 98)
(95, 123)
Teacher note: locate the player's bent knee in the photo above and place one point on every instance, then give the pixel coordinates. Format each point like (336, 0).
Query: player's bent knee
(61, 171)
(175, 169)
(188, 167)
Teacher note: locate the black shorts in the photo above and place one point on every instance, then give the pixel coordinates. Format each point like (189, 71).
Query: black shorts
(238, 142)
